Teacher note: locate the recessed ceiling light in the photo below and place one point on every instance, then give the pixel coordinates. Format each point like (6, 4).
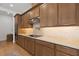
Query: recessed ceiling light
(11, 5)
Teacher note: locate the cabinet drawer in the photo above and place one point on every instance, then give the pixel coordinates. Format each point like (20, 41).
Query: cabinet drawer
(67, 50)
(45, 43)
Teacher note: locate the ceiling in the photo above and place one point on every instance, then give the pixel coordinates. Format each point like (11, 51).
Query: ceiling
(16, 7)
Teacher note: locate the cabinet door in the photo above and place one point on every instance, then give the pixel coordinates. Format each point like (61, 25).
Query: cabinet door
(66, 14)
(34, 12)
(29, 45)
(37, 11)
(43, 15)
(67, 50)
(25, 19)
(20, 41)
(77, 12)
(41, 50)
(52, 14)
(17, 22)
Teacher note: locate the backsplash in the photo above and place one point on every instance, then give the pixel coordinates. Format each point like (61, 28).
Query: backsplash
(26, 31)
(69, 32)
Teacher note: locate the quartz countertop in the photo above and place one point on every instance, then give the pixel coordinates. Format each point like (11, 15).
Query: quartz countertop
(73, 43)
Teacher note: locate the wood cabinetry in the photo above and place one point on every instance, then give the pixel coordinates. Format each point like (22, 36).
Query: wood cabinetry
(43, 15)
(77, 13)
(25, 19)
(59, 14)
(34, 12)
(52, 15)
(18, 19)
(17, 22)
(67, 14)
(59, 53)
(43, 48)
(64, 50)
(20, 40)
(29, 45)
(48, 15)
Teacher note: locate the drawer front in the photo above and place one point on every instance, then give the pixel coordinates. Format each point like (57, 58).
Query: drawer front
(50, 45)
(67, 50)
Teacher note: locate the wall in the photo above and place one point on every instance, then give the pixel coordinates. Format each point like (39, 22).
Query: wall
(66, 32)
(6, 26)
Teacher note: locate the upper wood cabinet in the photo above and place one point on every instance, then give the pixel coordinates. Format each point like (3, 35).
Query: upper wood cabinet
(34, 12)
(59, 14)
(34, 4)
(48, 15)
(17, 22)
(77, 13)
(25, 19)
(52, 14)
(18, 19)
(37, 10)
(67, 14)
(43, 15)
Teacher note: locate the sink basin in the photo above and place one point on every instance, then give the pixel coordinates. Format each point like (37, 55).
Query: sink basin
(35, 35)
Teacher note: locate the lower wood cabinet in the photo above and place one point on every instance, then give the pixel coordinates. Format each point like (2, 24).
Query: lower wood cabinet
(64, 50)
(20, 40)
(43, 49)
(29, 45)
(59, 53)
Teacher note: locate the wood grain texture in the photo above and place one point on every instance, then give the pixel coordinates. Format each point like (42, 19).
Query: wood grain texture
(43, 15)
(44, 48)
(67, 14)
(66, 50)
(52, 14)
(29, 45)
